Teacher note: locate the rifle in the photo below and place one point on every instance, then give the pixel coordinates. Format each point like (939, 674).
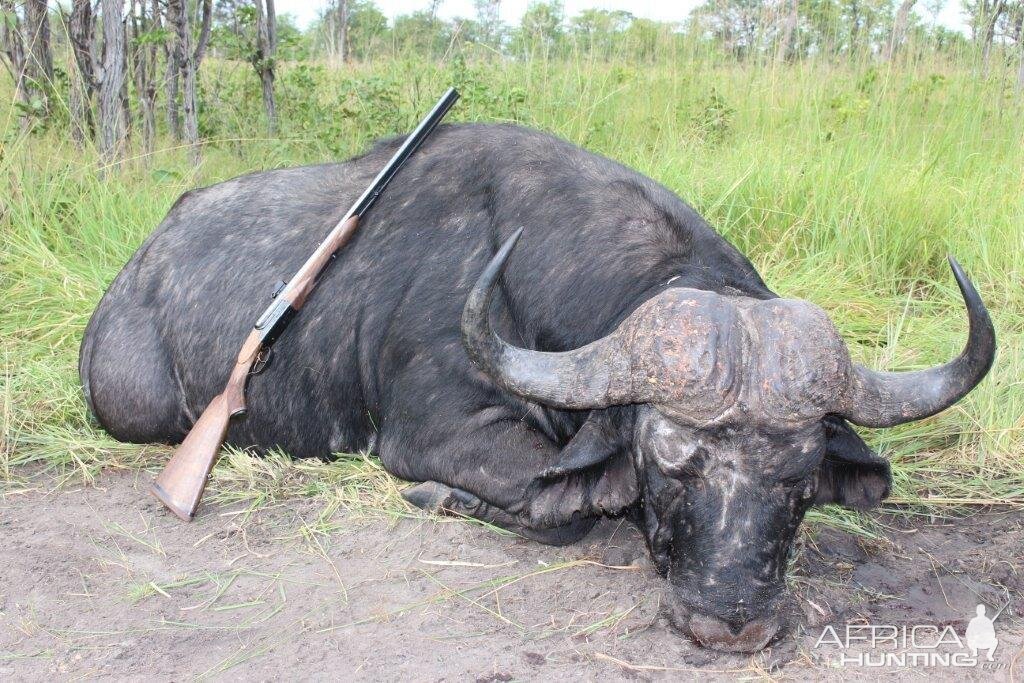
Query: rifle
(180, 485)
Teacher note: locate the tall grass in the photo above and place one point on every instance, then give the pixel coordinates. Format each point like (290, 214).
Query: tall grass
(846, 186)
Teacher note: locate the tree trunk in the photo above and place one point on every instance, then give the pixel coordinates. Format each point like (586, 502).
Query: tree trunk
(81, 30)
(191, 77)
(190, 107)
(126, 106)
(80, 112)
(112, 124)
(186, 60)
(341, 26)
(266, 49)
(173, 74)
(899, 29)
(989, 29)
(171, 95)
(13, 46)
(267, 79)
(144, 70)
(205, 24)
(855, 19)
(788, 29)
(40, 59)
(1020, 69)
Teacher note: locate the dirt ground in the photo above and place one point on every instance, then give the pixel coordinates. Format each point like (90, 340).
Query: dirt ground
(100, 582)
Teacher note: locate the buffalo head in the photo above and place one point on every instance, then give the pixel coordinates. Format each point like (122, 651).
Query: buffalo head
(738, 428)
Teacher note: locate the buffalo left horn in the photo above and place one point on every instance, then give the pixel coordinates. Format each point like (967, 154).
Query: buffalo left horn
(884, 399)
(592, 376)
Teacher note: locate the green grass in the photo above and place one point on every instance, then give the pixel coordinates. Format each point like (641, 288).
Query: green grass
(845, 186)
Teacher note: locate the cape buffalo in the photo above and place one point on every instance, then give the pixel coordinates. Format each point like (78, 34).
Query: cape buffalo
(622, 358)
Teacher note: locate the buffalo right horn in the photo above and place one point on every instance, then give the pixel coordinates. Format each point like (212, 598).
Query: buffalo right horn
(884, 399)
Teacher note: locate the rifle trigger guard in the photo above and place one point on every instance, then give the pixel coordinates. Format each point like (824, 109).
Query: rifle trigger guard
(263, 358)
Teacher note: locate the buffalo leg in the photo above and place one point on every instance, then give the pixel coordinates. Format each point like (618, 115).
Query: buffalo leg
(490, 453)
(128, 379)
(506, 454)
(440, 499)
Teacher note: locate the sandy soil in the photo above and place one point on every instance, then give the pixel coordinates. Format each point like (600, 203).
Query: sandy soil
(101, 583)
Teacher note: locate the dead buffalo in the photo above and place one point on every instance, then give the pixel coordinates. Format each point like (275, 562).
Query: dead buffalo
(622, 358)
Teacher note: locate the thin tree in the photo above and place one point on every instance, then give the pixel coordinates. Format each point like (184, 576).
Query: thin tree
(112, 123)
(172, 77)
(204, 11)
(145, 26)
(488, 18)
(187, 68)
(12, 50)
(40, 59)
(788, 29)
(899, 29)
(187, 60)
(988, 14)
(191, 77)
(264, 55)
(341, 30)
(1020, 68)
(125, 103)
(81, 34)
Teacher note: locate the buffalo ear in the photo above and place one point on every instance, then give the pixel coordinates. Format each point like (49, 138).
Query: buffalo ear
(594, 473)
(851, 474)
(595, 443)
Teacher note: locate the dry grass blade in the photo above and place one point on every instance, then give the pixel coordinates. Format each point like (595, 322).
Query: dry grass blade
(677, 669)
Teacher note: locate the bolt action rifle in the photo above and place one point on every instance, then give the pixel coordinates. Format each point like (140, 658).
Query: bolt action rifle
(180, 485)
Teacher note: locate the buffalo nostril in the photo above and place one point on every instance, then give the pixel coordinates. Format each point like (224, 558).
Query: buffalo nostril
(716, 634)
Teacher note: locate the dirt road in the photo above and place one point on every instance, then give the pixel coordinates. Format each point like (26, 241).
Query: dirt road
(101, 582)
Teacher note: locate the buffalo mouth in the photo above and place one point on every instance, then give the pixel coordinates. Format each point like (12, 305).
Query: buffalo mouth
(725, 636)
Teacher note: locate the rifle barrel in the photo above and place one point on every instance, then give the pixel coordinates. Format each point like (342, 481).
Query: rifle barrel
(410, 145)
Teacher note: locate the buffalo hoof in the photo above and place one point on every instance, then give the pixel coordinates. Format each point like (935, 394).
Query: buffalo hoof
(429, 496)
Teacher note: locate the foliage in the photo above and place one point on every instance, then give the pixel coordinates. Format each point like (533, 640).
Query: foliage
(714, 118)
(368, 31)
(234, 36)
(540, 28)
(744, 29)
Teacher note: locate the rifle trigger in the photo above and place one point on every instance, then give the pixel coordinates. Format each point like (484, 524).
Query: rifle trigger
(278, 288)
